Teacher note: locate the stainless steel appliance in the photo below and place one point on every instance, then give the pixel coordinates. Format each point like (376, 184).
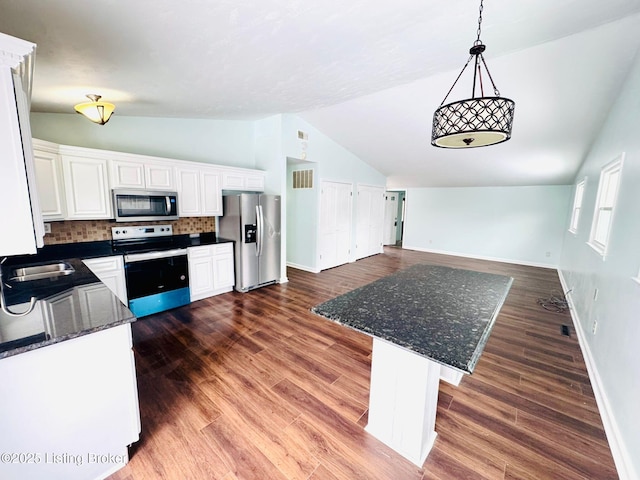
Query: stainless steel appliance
(144, 205)
(253, 221)
(156, 269)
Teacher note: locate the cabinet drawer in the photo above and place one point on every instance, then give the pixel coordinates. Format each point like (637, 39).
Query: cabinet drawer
(105, 263)
(199, 252)
(222, 248)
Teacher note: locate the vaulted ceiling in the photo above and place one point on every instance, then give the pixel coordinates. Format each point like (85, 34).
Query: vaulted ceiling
(368, 73)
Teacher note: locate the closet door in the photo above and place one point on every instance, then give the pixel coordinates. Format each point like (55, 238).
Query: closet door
(369, 220)
(336, 207)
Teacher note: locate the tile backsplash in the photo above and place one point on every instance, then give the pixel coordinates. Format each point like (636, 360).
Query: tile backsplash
(73, 231)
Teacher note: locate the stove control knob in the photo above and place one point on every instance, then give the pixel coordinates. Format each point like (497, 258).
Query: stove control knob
(117, 232)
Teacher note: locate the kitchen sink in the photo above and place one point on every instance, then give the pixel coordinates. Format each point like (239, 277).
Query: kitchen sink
(39, 272)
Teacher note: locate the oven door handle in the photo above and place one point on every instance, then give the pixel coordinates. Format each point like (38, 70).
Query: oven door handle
(139, 257)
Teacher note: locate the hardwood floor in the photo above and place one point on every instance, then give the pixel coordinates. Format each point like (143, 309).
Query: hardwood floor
(255, 386)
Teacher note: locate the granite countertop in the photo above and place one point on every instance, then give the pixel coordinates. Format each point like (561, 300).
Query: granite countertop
(48, 325)
(63, 310)
(444, 314)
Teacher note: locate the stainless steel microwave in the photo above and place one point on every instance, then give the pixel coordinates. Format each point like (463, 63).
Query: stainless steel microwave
(144, 205)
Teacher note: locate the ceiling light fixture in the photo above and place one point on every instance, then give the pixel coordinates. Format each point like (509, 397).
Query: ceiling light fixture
(476, 121)
(95, 110)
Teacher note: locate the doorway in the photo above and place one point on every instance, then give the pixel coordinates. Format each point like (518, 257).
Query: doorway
(394, 217)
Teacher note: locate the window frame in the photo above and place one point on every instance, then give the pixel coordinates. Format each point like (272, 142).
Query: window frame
(578, 200)
(614, 167)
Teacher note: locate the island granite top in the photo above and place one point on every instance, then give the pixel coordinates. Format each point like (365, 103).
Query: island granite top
(442, 313)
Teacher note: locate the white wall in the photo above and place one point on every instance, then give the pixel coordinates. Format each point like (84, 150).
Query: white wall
(330, 161)
(222, 142)
(613, 352)
(514, 224)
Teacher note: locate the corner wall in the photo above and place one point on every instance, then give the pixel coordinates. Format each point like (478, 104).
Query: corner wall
(612, 352)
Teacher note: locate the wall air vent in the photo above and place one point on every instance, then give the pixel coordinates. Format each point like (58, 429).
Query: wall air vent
(303, 179)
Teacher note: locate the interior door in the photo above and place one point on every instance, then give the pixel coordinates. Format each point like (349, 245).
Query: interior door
(335, 223)
(390, 217)
(370, 220)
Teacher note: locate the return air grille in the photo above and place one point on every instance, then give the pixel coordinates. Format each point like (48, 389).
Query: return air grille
(303, 179)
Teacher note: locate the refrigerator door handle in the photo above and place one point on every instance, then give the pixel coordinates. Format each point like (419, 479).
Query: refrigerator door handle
(260, 230)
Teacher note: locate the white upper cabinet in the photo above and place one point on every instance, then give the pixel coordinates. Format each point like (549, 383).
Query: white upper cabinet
(23, 229)
(126, 174)
(76, 182)
(241, 179)
(211, 192)
(159, 176)
(148, 174)
(199, 192)
(87, 190)
(48, 166)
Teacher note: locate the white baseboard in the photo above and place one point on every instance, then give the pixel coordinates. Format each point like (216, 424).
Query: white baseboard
(621, 457)
(481, 257)
(303, 267)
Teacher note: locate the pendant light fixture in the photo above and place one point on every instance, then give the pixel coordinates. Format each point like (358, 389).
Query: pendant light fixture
(95, 110)
(476, 121)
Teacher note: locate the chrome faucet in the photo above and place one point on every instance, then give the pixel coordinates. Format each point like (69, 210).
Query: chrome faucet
(3, 305)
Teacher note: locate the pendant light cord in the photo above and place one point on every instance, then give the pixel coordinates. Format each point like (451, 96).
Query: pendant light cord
(476, 51)
(478, 41)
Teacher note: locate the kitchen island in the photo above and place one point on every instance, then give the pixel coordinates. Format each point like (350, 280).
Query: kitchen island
(424, 320)
(69, 405)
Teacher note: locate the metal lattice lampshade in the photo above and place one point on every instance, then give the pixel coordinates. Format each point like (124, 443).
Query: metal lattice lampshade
(474, 122)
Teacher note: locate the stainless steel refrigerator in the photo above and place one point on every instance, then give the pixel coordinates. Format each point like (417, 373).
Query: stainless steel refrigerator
(252, 221)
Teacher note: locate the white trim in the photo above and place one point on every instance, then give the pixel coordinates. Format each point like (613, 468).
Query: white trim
(581, 186)
(302, 267)
(611, 167)
(621, 456)
(481, 257)
(636, 279)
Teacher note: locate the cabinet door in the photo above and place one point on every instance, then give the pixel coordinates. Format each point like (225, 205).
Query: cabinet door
(14, 191)
(200, 272)
(211, 193)
(110, 271)
(188, 183)
(255, 182)
(159, 177)
(86, 188)
(127, 174)
(60, 314)
(50, 186)
(223, 273)
(97, 304)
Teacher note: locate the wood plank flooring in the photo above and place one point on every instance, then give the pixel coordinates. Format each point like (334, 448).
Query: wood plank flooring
(255, 386)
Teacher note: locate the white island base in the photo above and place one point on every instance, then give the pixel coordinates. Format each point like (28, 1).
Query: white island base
(403, 399)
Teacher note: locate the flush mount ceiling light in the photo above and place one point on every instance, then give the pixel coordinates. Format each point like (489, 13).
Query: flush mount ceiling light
(95, 110)
(476, 121)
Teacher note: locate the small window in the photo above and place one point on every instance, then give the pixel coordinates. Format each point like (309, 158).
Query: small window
(577, 206)
(605, 205)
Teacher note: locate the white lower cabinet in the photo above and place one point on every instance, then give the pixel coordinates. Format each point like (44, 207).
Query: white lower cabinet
(70, 410)
(211, 270)
(110, 271)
